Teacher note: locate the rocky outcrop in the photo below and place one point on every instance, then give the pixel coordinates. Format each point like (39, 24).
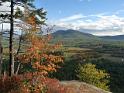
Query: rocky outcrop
(81, 87)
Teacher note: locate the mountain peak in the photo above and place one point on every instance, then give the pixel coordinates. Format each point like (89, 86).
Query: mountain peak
(69, 37)
(70, 32)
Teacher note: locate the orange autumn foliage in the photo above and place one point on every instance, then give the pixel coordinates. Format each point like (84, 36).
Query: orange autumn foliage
(39, 52)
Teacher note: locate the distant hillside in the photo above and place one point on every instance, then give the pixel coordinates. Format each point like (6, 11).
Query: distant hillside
(71, 37)
(119, 37)
(71, 33)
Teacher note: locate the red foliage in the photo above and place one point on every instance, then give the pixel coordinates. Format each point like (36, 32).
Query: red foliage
(8, 84)
(54, 86)
(32, 83)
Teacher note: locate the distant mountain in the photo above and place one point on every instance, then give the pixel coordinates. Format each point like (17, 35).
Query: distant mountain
(71, 34)
(70, 37)
(77, 38)
(118, 37)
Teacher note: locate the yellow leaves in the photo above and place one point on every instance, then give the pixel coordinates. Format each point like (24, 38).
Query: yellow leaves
(90, 74)
(55, 59)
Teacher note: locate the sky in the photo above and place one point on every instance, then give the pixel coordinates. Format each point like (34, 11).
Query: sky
(58, 9)
(98, 17)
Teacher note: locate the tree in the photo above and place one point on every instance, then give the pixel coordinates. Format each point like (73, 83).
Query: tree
(88, 73)
(19, 15)
(1, 53)
(39, 54)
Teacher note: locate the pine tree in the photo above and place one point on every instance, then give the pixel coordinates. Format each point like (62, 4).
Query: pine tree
(20, 15)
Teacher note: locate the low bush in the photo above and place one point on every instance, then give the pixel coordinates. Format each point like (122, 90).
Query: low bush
(31, 84)
(88, 73)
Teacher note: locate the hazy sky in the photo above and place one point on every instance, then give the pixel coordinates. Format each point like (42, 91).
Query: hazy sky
(105, 17)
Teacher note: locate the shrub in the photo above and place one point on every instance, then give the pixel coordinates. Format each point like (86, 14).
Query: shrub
(88, 73)
(30, 83)
(21, 84)
(8, 84)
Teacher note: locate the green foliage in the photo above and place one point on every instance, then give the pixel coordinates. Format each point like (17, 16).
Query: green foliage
(80, 39)
(116, 71)
(88, 73)
(67, 70)
(73, 37)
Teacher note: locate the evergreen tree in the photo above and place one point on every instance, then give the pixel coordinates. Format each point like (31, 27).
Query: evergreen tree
(27, 4)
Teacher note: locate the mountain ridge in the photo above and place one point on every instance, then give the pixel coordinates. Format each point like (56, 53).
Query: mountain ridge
(69, 32)
(117, 37)
(77, 38)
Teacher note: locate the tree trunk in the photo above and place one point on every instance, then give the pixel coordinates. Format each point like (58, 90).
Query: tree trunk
(17, 71)
(1, 51)
(11, 56)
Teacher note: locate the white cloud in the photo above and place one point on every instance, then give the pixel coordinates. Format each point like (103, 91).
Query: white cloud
(102, 25)
(108, 33)
(5, 8)
(73, 17)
